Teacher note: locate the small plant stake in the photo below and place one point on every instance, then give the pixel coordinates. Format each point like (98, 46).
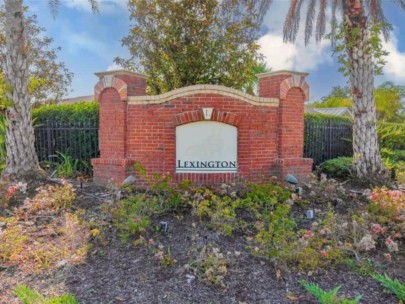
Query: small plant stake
(310, 214)
(163, 226)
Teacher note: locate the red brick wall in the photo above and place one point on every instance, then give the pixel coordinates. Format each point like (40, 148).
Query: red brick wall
(270, 139)
(151, 138)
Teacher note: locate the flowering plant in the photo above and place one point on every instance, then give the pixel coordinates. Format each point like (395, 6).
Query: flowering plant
(11, 191)
(388, 203)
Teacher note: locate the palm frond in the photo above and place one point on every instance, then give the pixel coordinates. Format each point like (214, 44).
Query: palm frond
(94, 5)
(320, 23)
(262, 7)
(376, 14)
(334, 23)
(53, 5)
(309, 20)
(292, 21)
(372, 8)
(400, 3)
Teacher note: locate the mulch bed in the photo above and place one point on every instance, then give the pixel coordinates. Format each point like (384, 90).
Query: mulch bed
(126, 273)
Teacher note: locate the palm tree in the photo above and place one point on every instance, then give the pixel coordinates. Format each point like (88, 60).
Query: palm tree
(21, 161)
(357, 17)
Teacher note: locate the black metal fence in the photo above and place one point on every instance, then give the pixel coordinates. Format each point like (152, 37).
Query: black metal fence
(327, 139)
(57, 142)
(75, 142)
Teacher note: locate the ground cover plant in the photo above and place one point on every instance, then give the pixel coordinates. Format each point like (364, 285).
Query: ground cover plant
(29, 296)
(328, 297)
(226, 244)
(393, 286)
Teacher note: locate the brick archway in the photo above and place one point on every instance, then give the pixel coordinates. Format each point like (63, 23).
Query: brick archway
(110, 81)
(295, 81)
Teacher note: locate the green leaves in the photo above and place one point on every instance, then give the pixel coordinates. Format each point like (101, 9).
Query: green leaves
(212, 43)
(29, 296)
(327, 297)
(346, 40)
(393, 286)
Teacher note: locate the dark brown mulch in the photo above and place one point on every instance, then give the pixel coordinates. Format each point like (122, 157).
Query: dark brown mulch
(131, 274)
(124, 273)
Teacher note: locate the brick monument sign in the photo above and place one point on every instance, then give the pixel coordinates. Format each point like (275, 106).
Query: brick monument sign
(208, 134)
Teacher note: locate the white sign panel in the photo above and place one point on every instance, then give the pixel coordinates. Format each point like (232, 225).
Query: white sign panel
(206, 147)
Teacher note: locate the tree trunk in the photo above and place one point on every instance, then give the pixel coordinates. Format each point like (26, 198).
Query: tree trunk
(366, 154)
(22, 160)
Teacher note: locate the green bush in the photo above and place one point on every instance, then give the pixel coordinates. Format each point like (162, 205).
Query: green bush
(393, 156)
(337, 167)
(310, 117)
(391, 135)
(82, 112)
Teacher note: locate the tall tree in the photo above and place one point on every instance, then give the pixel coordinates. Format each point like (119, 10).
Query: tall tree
(357, 16)
(49, 79)
(22, 161)
(184, 42)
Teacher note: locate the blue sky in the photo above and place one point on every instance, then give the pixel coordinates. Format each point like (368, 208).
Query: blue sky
(90, 42)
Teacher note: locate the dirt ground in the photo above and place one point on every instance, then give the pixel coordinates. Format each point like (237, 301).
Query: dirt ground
(126, 273)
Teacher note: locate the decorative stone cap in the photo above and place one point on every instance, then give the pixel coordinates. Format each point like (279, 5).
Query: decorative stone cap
(119, 72)
(281, 72)
(204, 89)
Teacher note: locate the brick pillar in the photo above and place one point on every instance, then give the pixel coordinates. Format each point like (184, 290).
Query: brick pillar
(112, 92)
(292, 91)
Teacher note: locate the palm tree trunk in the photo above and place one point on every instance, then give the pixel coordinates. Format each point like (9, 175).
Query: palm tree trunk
(22, 161)
(367, 161)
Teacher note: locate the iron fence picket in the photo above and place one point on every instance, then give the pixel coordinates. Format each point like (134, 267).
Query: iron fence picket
(76, 140)
(323, 140)
(327, 139)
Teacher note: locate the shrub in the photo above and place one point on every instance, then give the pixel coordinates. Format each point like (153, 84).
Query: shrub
(66, 113)
(310, 117)
(393, 156)
(391, 135)
(387, 206)
(132, 215)
(276, 232)
(338, 167)
(210, 265)
(220, 211)
(400, 172)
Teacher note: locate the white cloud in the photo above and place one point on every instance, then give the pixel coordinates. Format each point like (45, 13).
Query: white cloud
(105, 6)
(114, 67)
(395, 66)
(290, 56)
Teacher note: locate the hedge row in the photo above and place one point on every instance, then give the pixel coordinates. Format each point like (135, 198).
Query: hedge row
(66, 114)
